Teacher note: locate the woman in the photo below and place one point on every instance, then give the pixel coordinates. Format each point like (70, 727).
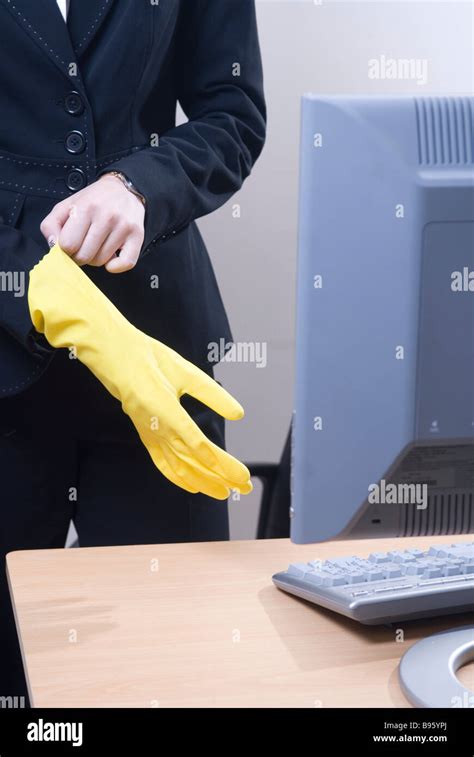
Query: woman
(90, 157)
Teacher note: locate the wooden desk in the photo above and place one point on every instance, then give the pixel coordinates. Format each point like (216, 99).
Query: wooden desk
(200, 625)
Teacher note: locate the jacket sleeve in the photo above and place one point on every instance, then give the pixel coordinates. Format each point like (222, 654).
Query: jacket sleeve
(199, 165)
(18, 255)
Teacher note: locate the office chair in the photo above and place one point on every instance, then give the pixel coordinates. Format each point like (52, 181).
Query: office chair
(274, 518)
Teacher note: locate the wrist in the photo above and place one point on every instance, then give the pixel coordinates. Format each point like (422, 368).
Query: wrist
(125, 181)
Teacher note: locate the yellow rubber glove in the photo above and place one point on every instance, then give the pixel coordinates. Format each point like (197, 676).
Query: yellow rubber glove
(146, 376)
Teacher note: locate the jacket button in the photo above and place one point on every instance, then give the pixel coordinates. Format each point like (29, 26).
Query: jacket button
(75, 179)
(73, 104)
(75, 142)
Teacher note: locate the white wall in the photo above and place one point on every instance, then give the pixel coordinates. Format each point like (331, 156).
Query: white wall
(308, 47)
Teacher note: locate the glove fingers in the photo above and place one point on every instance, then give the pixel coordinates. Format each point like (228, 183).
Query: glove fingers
(164, 467)
(192, 443)
(193, 447)
(233, 469)
(187, 457)
(203, 480)
(203, 388)
(209, 457)
(191, 459)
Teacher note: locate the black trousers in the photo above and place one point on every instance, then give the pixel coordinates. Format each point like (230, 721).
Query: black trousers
(68, 452)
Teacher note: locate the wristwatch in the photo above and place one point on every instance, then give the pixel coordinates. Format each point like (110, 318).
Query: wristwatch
(128, 184)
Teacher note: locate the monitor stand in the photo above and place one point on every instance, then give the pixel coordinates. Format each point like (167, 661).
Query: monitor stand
(428, 669)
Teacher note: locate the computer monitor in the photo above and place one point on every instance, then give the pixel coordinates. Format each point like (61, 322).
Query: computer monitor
(383, 436)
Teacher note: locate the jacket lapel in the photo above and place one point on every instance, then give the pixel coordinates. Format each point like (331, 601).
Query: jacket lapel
(43, 22)
(84, 20)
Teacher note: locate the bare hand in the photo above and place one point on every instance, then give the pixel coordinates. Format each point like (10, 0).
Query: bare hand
(97, 223)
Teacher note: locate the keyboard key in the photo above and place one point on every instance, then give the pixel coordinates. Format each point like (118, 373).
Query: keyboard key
(374, 575)
(335, 581)
(414, 569)
(446, 551)
(392, 571)
(416, 552)
(298, 569)
(324, 578)
(433, 572)
(402, 557)
(313, 577)
(451, 570)
(355, 577)
(437, 562)
(341, 564)
(394, 554)
(379, 557)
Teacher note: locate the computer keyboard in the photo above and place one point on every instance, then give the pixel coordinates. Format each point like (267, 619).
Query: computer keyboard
(388, 586)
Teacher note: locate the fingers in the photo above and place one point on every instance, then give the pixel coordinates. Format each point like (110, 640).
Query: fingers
(194, 453)
(183, 475)
(190, 443)
(203, 388)
(53, 223)
(194, 447)
(90, 238)
(235, 473)
(129, 252)
(203, 480)
(109, 248)
(189, 458)
(93, 241)
(194, 462)
(237, 470)
(73, 234)
(101, 219)
(226, 468)
(166, 469)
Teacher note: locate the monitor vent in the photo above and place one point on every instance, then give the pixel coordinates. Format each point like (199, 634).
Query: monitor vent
(445, 514)
(445, 130)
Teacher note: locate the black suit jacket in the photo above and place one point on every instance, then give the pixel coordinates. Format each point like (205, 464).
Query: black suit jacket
(101, 95)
